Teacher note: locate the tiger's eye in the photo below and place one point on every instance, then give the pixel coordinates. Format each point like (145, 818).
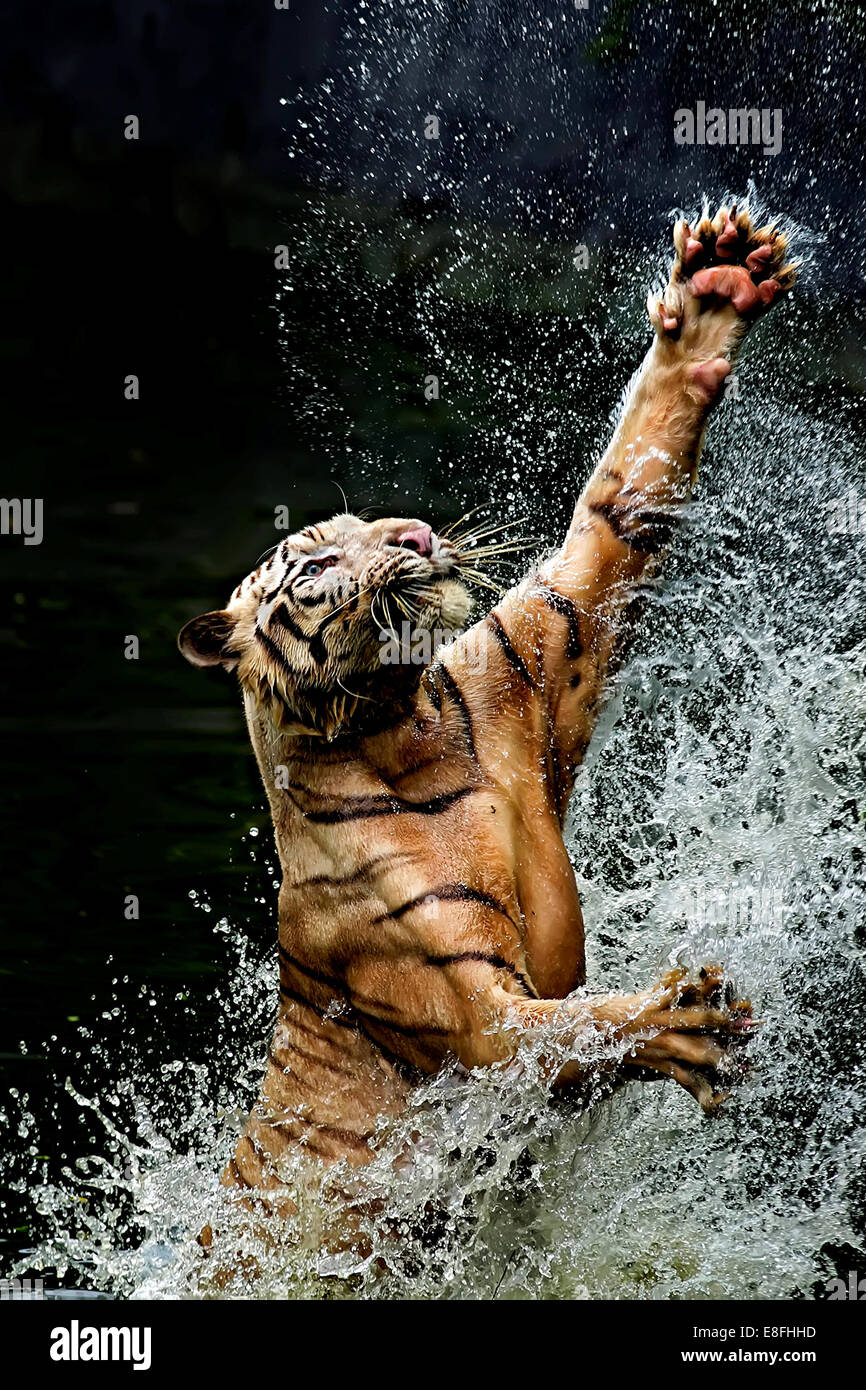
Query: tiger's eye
(313, 568)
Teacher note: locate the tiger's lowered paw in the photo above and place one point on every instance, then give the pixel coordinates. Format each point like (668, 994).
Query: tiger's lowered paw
(694, 1031)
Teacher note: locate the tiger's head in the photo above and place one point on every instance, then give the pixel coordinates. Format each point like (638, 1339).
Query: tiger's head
(307, 630)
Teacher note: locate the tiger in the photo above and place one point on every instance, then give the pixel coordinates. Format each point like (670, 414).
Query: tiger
(428, 913)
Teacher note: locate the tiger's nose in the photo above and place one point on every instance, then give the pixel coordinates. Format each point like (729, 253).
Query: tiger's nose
(420, 539)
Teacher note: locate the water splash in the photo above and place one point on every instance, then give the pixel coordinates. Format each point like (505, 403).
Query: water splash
(720, 811)
(719, 816)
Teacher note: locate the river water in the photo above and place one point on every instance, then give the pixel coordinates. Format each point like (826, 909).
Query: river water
(719, 814)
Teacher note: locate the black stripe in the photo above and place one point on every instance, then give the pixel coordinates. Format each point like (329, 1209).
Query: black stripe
(434, 695)
(356, 1024)
(309, 1057)
(292, 1022)
(341, 1020)
(344, 1136)
(359, 1000)
(330, 981)
(320, 978)
(357, 876)
(318, 650)
(643, 531)
(276, 655)
(408, 1070)
(287, 1072)
(365, 807)
(272, 593)
(311, 600)
(449, 893)
(614, 517)
(498, 962)
(315, 643)
(514, 658)
(568, 610)
(339, 986)
(456, 695)
(407, 1029)
(283, 618)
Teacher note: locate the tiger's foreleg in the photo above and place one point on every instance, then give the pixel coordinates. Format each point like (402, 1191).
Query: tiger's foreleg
(688, 1030)
(722, 279)
(726, 273)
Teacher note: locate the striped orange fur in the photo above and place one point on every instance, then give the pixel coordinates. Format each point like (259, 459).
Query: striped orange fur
(428, 907)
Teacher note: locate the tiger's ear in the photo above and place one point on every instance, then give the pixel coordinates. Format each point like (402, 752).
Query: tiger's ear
(207, 640)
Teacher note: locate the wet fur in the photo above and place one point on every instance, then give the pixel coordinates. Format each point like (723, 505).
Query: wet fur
(428, 907)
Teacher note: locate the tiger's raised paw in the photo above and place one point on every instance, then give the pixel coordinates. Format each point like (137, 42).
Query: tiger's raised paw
(726, 273)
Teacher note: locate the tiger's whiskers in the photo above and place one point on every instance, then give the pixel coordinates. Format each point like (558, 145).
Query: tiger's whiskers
(465, 517)
(476, 577)
(481, 532)
(329, 617)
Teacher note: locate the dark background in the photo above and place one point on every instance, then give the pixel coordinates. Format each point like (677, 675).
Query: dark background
(156, 257)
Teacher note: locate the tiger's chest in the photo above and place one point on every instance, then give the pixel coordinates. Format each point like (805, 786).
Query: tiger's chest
(367, 834)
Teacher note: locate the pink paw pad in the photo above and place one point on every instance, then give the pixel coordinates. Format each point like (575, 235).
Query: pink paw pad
(733, 282)
(668, 321)
(692, 251)
(708, 376)
(728, 238)
(756, 261)
(767, 290)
